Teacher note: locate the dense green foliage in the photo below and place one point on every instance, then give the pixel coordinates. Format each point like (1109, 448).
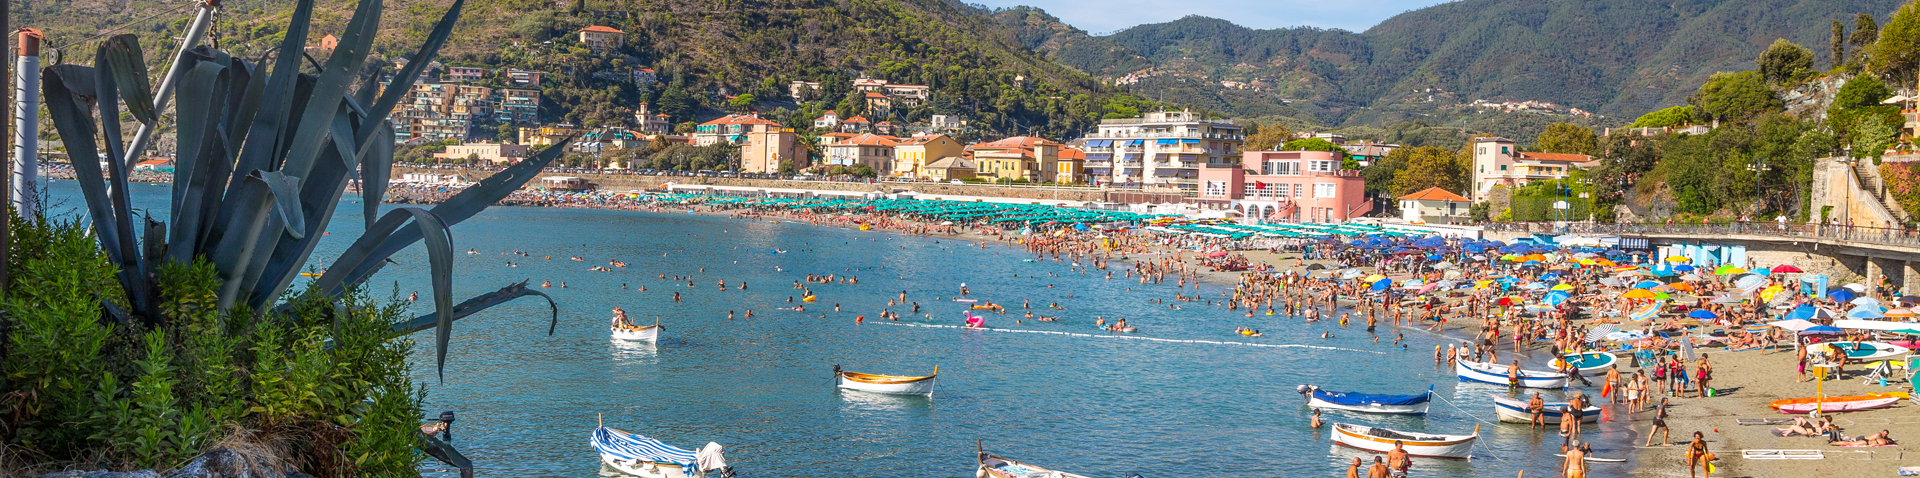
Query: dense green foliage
(1664, 118)
(332, 386)
(1785, 62)
(1567, 138)
(1734, 97)
(1896, 55)
(1764, 166)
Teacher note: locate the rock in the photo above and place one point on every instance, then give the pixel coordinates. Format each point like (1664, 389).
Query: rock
(103, 474)
(226, 463)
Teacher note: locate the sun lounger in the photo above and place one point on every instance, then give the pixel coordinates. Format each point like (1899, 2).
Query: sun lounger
(1910, 471)
(1763, 421)
(1783, 454)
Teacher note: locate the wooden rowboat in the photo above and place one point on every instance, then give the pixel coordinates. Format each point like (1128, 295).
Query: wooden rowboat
(992, 466)
(1415, 404)
(887, 384)
(645, 333)
(1496, 374)
(1838, 404)
(1381, 440)
(1515, 410)
(638, 455)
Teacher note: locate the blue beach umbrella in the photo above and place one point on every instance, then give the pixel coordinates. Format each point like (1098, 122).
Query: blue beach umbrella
(1703, 314)
(1683, 268)
(1382, 285)
(1842, 295)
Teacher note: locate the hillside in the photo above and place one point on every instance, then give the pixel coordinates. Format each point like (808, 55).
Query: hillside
(1616, 57)
(706, 51)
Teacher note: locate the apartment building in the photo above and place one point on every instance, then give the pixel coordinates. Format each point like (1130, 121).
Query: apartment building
(1164, 148)
(912, 155)
(1287, 186)
(1019, 157)
(764, 144)
(518, 106)
(601, 38)
(1496, 162)
(875, 151)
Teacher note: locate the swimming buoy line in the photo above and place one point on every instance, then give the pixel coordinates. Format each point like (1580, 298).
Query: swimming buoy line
(1133, 337)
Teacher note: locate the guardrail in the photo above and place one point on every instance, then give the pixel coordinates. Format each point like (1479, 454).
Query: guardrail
(1895, 236)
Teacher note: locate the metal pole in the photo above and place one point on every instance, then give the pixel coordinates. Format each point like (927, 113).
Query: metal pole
(195, 33)
(26, 125)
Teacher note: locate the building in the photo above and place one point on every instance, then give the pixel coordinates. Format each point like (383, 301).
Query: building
(437, 112)
(1434, 205)
(764, 144)
(645, 76)
(945, 122)
(599, 38)
(648, 122)
(466, 73)
(908, 95)
(524, 78)
(856, 125)
(878, 102)
(1367, 153)
(548, 135)
(1165, 148)
(1286, 186)
(949, 168)
(873, 150)
(828, 120)
(800, 89)
(1019, 157)
(1071, 166)
(496, 153)
(911, 155)
(518, 106)
(1497, 163)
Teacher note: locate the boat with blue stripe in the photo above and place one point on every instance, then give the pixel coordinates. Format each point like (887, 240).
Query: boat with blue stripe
(1414, 404)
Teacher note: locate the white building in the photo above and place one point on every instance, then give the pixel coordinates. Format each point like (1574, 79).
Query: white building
(1165, 148)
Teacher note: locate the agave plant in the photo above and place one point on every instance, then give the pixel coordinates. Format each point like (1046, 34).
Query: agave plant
(264, 156)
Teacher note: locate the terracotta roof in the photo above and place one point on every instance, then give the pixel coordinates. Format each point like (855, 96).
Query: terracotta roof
(1070, 153)
(153, 162)
(855, 119)
(1563, 157)
(869, 139)
(740, 119)
(838, 135)
(829, 112)
(919, 140)
(952, 162)
(1014, 142)
(875, 95)
(1010, 152)
(601, 29)
(1434, 194)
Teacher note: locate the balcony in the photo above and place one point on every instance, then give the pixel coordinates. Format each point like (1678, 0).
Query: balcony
(1157, 134)
(1099, 164)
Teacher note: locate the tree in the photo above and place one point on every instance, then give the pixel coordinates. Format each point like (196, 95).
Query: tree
(506, 133)
(1268, 137)
(1872, 136)
(1669, 117)
(1839, 54)
(1785, 62)
(1865, 33)
(1429, 167)
(1379, 176)
(1314, 144)
(1567, 138)
(1735, 97)
(1897, 54)
(1861, 91)
(741, 103)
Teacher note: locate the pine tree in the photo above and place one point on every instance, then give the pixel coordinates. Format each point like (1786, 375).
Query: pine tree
(1839, 45)
(1865, 32)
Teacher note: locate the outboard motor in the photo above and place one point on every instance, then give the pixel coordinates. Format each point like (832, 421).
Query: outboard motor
(713, 459)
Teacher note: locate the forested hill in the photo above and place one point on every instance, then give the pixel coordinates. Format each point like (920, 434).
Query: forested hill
(1621, 57)
(709, 53)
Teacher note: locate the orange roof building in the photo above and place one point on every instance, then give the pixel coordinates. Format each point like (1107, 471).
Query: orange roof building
(1434, 205)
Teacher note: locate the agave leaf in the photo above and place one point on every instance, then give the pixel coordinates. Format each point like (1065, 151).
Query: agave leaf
(132, 273)
(204, 91)
(249, 83)
(341, 137)
(376, 169)
(195, 208)
(403, 79)
(261, 143)
(458, 208)
(252, 206)
(79, 80)
(321, 197)
(444, 452)
(439, 257)
(364, 96)
(286, 202)
(74, 120)
(480, 303)
(130, 72)
(331, 88)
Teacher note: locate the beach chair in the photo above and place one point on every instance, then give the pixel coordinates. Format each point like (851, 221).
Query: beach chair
(1783, 454)
(1913, 367)
(1879, 373)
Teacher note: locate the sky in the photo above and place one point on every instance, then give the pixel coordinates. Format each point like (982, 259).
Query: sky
(1106, 16)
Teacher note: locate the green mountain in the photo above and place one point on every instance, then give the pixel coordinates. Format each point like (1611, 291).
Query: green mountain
(1617, 57)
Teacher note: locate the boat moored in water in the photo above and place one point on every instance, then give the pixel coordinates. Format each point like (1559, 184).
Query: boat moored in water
(887, 384)
(1415, 404)
(1515, 410)
(638, 455)
(1381, 440)
(1496, 374)
(992, 466)
(645, 333)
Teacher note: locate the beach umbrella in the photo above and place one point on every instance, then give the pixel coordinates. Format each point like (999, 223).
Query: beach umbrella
(1316, 267)
(1413, 283)
(1681, 286)
(1662, 296)
(1728, 270)
(1679, 259)
(1867, 312)
(1786, 269)
(1703, 314)
(1900, 313)
(1217, 254)
(1728, 299)
(1382, 285)
(1752, 283)
(1683, 268)
(1536, 286)
(1599, 332)
(1763, 272)
(1612, 282)
(1637, 294)
(1434, 257)
(1451, 274)
(1550, 276)
(1509, 301)
(1428, 288)
(1447, 283)
(1795, 325)
(1841, 295)
(1646, 284)
(1374, 278)
(1864, 301)
(1856, 287)
(1770, 292)
(1821, 330)
(1563, 287)
(1349, 274)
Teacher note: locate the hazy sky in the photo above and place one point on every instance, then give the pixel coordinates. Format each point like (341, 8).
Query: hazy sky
(1104, 16)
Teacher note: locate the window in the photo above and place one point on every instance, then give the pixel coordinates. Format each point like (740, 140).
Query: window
(1280, 168)
(1504, 150)
(1503, 167)
(1323, 166)
(1249, 192)
(1323, 190)
(1299, 190)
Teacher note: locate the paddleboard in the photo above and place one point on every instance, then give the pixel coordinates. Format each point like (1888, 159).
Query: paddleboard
(1596, 459)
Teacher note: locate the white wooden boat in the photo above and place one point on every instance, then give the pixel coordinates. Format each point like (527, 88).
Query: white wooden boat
(1588, 362)
(1497, 374)
(992, 466)
(1415, 404)
(1515, 410)
(1381, 440)
(638, 455)
(888, 384)
(645, 333)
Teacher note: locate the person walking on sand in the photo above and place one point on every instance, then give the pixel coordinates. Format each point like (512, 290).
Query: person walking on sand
(1697, 454)
(1660, 426)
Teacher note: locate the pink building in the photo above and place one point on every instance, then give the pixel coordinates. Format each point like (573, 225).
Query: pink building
(1286, 186)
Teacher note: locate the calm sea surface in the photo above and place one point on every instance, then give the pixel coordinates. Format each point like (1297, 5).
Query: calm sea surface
(1083, 401)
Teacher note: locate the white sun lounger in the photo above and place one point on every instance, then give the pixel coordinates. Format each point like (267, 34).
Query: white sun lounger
(1783, 454)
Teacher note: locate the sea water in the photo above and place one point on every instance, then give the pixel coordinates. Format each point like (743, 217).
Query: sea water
(1185, 396)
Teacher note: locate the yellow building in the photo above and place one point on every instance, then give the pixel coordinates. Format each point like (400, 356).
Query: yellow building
(1019, 157)
(548, 135)
(911, 156)
(1071, 167)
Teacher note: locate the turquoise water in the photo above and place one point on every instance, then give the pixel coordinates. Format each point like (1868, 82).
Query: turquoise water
(1077, 400)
